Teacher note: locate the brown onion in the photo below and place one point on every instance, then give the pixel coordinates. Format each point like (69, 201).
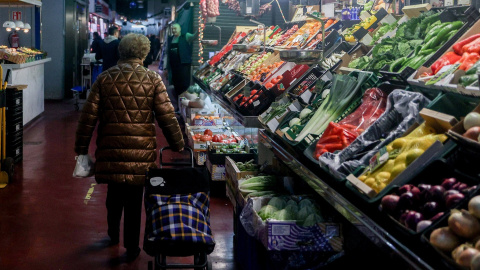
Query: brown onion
(475, 263)
(463, 224)
(458, 250)
(474, 206)
(466, 256)
(472, 133)
(444, 239)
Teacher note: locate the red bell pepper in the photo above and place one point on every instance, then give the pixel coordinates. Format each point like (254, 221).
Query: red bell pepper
(472, 47)
(448, 59)
(467, 60)
(457, 48)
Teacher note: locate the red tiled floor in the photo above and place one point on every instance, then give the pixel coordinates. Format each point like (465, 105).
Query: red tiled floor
(46, 222)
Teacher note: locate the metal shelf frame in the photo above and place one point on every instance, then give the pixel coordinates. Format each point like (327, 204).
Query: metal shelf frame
(246, 121)
(364, 223)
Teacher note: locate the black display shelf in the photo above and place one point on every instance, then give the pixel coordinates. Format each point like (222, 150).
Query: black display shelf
(246, 121)
(382, 238)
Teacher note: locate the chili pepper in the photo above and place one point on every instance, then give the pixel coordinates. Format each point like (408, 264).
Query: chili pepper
(443, 33)
(459, 45)
(472, 47)
(467, 60)
(333, 147)
(328, 139)
(448, 59)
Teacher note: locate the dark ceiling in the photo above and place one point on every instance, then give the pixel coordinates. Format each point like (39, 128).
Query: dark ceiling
(132, 9)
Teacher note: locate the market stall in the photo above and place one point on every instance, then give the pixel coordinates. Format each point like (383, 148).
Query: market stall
(360, 135)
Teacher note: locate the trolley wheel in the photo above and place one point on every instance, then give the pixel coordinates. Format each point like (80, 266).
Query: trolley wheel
(197, 260)
(150, 265)
(9, 167)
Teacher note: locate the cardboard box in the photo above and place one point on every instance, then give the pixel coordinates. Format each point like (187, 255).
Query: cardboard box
(349, 57)
(288, 236)
(233, 173)
(457, 131)
(414, 11)
(441, 123)
(217, 171)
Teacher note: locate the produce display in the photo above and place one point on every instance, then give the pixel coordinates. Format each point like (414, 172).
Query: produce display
(305, 212)
(417, 206)
(321, 111)
(338, 136)
(401, 153)
(459, 240)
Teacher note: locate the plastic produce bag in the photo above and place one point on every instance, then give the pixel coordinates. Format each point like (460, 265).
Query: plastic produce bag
(403, 110)
(338, 136)
(85, 166)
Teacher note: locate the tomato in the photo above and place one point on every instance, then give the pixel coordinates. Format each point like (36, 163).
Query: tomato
(250, 101)
(208, 132)
(206, 138)
(274, 81)
(255, 97)
(224, 136)
(253, 92)
(197, 136)
(243, 103)
(244, 99)
(217, 138)
(236, 98)
(269, 85)
(279, 77)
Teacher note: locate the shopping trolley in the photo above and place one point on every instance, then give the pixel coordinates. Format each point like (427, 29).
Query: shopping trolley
(90, 71)
(177, 210)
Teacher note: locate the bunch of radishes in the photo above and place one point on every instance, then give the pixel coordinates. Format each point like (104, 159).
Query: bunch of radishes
(463, 227)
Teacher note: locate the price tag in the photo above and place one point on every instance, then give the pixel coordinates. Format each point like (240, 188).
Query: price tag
(273, 124)
(379, 159)
(305, 96)
(256, 103)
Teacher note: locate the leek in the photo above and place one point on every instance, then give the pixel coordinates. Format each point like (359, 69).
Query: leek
(344, 90)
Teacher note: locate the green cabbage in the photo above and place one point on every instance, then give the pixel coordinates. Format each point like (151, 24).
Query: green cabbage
(277, 202)
(267, 212)
(313, 219)
(284, 214)
(305, 202)
(292, 210)
(305, 211)
(292, 202)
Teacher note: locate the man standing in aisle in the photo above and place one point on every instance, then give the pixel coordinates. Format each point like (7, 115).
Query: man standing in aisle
(109, 49)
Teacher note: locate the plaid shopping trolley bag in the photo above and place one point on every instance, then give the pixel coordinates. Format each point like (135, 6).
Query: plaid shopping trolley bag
(177, 210)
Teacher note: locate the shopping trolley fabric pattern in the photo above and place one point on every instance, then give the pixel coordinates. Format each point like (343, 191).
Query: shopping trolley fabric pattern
(180, 217)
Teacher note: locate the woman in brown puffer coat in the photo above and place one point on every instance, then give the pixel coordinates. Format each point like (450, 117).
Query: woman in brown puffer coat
(126, 99)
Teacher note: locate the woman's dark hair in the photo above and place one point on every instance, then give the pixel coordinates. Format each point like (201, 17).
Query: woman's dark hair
(95, 35)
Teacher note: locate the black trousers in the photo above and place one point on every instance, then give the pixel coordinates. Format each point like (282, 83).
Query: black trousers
(125, 198)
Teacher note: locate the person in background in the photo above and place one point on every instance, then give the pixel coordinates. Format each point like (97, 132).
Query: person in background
(179, 61)
(125, 110)
(96, 43)
(155, 44)
(105, 35)
(149, 60)
(109, 49)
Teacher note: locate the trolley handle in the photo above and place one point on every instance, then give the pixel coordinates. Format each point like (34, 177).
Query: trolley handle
(191, 163)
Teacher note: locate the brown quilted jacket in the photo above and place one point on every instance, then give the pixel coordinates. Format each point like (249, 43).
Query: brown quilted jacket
(125, 99)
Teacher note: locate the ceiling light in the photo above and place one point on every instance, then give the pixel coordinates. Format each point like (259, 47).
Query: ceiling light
(9, 25)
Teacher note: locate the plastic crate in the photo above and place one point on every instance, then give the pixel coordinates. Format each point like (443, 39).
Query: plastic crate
(453, 104)
(306, 81)
(464, 160)
(265, 99)
(15, 150)
(433, 174)
(14, 136)
(387, 88)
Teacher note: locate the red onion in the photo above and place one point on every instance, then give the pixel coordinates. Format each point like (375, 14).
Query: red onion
(389, 204)
(437, 216)
(412, 219)
(409, 188)
(448, 183)
(450, 192)
(468, 190)
(436, 194)
(424, 188)
(403, 217)
(453, 199)
(407, 201)
(422, 225)
(430, 209)
(459, 186)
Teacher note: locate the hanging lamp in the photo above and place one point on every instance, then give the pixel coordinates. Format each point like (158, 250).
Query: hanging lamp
(9, 24)
(18, 24)
(26, 26)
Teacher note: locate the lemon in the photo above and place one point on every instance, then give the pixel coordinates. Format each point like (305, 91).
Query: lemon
(413, 154)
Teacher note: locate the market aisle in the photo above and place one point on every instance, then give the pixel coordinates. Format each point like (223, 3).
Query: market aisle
(47, 221)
